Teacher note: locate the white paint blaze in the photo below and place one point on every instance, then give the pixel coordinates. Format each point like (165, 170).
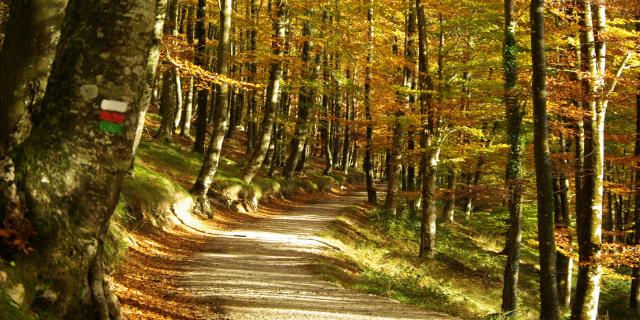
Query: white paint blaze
(116, 106)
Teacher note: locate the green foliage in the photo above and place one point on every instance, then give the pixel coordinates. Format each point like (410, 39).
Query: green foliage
(614, 298)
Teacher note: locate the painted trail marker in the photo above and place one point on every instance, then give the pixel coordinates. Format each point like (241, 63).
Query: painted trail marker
(113, 105)
(112, 116)
(110, 127)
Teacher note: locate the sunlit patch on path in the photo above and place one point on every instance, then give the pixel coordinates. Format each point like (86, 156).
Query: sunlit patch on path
(263, 270)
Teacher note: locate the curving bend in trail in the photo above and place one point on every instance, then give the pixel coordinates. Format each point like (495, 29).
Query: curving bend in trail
(263, 271)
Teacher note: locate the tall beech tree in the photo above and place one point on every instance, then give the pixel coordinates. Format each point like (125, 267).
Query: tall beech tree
(220, 114)
(201, 59)
(305, 100)
(589, 216)
(549, 306)
(171, 98)
(430, 153)
(515, 112)
(273, 92)
(368, 155)
(75, 158)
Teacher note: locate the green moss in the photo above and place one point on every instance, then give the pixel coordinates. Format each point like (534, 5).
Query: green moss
(170, 159)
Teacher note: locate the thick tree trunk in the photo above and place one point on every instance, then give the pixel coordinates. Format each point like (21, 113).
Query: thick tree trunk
(73, 162)
(513, 177)
(214, 149)
(201, 60)
(368, 156)
(28, 51)
(549, 307)
(26, 57)
(273, 93)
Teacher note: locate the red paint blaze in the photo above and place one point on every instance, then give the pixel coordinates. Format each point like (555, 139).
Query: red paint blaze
(112, 116)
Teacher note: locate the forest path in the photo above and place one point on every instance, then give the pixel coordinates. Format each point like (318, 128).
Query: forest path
(263, 270)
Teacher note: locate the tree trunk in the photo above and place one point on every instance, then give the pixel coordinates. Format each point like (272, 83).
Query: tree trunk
(26, 57)
(214, 149)
(305, 101)
(273, 93)
(187, 111)
(564, 262)
(549, 307)
(202, 61)
(171, 88)
(346, 145)
(28, 51)
(513, 177)
(634, 297)
(168, 105)
(589, 218)
(450, 202)
(430, 157)
(73, 162)
(391, 202)
(368, 156)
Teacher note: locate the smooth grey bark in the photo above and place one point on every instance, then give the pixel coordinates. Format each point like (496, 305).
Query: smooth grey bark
(68, 166)
(431, 152)
(589, 216)
(28, 51)
(273, 92)
(214, 149)
(549, 306)
(32, 34)
(187, 111)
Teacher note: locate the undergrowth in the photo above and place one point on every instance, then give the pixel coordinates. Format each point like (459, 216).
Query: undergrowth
(465, 277)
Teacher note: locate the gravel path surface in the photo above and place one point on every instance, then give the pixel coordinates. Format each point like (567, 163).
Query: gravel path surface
(263, 271)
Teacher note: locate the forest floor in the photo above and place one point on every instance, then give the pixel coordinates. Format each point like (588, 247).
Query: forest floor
(259, 268)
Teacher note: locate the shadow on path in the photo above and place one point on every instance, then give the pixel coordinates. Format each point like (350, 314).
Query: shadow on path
(263, 271)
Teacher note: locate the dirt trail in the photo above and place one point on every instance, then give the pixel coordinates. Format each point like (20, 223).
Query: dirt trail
(262, 270)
